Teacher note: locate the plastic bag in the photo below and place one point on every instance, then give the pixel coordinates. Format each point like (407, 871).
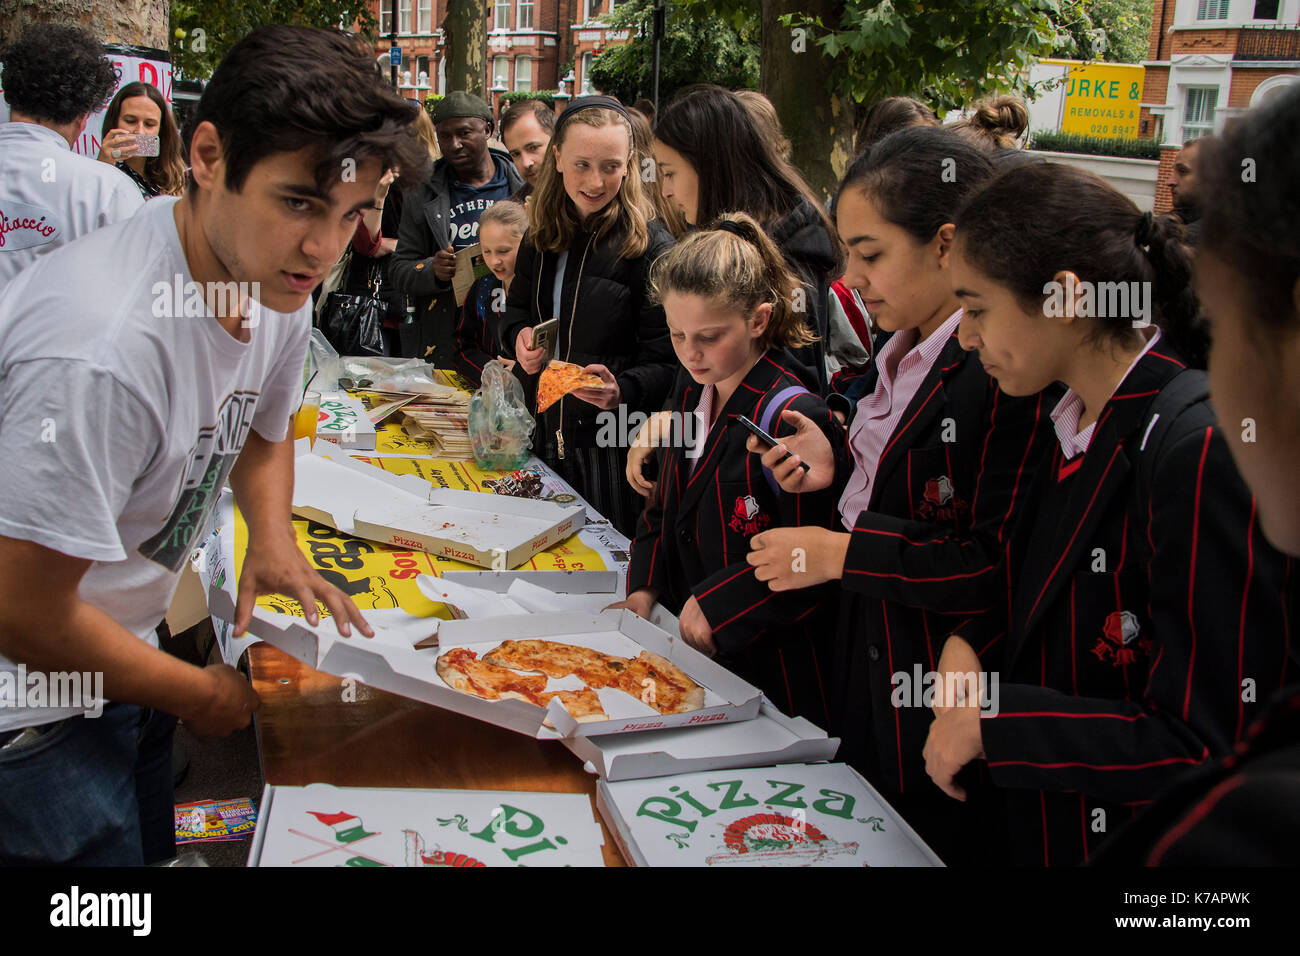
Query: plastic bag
(326, 359)
(500, 424)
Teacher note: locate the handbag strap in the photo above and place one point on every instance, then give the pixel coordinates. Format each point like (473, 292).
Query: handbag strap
(769, 413)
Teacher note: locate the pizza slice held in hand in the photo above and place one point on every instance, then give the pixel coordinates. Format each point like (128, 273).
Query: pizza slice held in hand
(559, 379)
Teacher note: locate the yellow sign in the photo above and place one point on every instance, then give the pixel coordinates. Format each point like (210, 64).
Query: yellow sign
(1102, 99)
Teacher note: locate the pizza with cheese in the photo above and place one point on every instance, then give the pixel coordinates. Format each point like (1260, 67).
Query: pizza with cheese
(559, 379)
(650, 678)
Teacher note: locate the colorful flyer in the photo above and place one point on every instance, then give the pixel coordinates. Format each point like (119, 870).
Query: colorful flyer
(210, 821)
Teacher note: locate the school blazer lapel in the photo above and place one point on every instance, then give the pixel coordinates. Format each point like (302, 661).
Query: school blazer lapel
(928, 402)
(743, 401)
(1056, 549)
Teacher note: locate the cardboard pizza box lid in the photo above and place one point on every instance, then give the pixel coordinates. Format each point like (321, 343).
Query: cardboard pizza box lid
(324, 825)
(343, 421)
(492, 531)
(791, 815)
(770, 738)
(327, 484)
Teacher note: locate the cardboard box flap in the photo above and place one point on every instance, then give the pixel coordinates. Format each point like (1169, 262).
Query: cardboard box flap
(770, 738)
(327, 488)
(557, 582)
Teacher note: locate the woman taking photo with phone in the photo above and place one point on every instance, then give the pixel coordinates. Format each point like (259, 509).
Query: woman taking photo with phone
(139, 111)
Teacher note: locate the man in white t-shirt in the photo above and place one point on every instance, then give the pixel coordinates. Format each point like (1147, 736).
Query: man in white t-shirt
(55, 77)
(122, 416)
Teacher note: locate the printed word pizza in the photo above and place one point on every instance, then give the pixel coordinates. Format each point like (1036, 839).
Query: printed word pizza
(519, 670)
(559, 379)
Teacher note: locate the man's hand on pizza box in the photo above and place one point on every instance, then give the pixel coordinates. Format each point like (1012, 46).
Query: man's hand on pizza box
(277, 566)
(695, 628)
(607, 397)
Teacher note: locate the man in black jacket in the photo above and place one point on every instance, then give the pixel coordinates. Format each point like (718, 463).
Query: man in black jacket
(441, 216)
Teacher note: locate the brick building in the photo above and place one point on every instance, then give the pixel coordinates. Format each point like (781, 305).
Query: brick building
(1211, 60)
(532, 44)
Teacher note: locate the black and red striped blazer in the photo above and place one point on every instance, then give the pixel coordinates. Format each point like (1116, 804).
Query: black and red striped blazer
(693, 539)
(926, 555)
(1142, 633)
(476, 325)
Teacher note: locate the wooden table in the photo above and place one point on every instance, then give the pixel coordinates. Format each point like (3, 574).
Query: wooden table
(307, 733)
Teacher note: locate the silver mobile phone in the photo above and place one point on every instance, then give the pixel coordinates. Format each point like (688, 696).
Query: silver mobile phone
(544, 335)
(146, 144)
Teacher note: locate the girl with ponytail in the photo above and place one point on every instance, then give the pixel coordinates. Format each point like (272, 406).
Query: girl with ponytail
(729, 300)
(1145, 614)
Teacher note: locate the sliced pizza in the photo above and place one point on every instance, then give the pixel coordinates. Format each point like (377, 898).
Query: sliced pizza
(461, 669)
(661, 684)
(559, 379)
(558, 660)
(582, 704)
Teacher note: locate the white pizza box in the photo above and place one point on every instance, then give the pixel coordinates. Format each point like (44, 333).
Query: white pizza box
(792, 815)
(492, 531)
(323, 825)
(489, 530)
(343, 421)
(328, 484)
(727, 697)
(391, 661)
(770, 738)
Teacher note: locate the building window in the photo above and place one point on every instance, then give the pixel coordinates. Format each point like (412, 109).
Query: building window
(590, 10)
(404, 17)
(1212, 10)
(525, 15)
(501, 73)
(386, 17)
(586, 75)
(502, 20)
(1198, 114)
(421, 69)
(425, 22)
(1266, 9)
(523, 73)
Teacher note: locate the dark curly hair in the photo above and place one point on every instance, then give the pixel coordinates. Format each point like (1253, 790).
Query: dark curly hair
(285, 88)
(57, 73)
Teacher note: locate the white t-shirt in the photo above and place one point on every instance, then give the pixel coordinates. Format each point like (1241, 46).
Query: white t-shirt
(118, 427)
(49, 195)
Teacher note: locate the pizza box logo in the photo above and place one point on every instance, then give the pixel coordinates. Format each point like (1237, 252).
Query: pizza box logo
(775, 838)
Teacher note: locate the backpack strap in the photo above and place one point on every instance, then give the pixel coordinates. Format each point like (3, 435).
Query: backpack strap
(769, 413)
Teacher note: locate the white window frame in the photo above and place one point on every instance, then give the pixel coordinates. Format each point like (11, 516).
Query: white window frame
(1254, 15)
(586, 89)
(591, 9)
(500, 72)
(524, 70)
(404, 17)
(501, 17)
(1202, 124)
(1212, 10)
(521, 8)
(424, 17)
(386, 17)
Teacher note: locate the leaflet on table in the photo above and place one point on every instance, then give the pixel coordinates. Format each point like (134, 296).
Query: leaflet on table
(211, 821)
(770, 738)
(791, 815)
(323, 825)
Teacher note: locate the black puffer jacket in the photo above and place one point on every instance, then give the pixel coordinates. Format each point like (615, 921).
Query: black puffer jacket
(801, 236)
(605, 318)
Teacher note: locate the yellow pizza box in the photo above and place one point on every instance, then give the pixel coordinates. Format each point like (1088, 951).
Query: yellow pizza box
(791, 815)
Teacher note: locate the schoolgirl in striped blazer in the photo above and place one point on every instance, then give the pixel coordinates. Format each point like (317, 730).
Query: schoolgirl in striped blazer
(728, 298)
(1147, 618)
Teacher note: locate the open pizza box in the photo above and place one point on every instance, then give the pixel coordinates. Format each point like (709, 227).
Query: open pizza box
(770, 738)
(790, 815)
(493, 531)
(391, 661)
(323, 825)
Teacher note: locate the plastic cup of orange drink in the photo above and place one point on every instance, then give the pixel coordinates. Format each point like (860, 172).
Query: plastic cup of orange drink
(304, 422)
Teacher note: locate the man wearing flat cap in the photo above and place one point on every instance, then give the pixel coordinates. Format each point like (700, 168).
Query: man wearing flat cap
(441, 216)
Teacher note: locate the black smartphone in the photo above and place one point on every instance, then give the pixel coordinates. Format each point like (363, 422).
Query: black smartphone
(767, 439)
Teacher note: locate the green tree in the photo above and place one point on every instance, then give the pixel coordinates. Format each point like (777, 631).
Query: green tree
(1117, 31)
(203, 30)
(698, 47)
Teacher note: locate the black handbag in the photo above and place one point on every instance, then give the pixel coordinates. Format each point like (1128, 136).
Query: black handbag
(353, 323)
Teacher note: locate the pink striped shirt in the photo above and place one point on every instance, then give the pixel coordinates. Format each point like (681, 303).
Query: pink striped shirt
(1068, 411)
(902, 367)
(704, 425)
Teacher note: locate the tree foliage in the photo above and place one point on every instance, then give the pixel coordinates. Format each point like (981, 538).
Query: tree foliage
(203, 30)
(1123, 27)
(698, 47)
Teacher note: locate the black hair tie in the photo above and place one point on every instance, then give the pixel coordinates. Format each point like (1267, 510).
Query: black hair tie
(733, 227)
(1144, 229)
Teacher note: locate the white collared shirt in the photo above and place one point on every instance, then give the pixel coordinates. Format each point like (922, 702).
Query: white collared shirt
(1068, 411)
(49, 195)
